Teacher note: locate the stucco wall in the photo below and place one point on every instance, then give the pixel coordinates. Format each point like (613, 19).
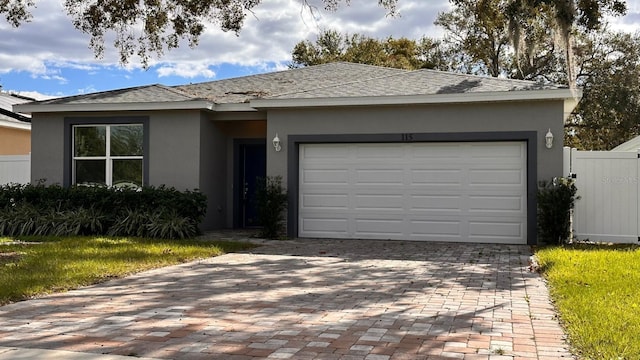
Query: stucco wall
(47, 149)
(14, 141)
(174, 149)
(213, 174)
(491, 117)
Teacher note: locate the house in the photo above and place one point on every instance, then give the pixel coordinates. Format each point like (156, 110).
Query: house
(15, 128)
(632, 144)
(365, 151)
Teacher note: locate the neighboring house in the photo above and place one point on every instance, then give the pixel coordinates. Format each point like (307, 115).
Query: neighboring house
(365, 151)
(15, 128)
(631, 145)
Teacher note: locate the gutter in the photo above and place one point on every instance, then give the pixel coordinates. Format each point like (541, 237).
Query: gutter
(495, 96)
(90, 107)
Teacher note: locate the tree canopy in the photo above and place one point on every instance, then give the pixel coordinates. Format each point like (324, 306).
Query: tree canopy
(609, 73)
(148, 27)
(400, 53)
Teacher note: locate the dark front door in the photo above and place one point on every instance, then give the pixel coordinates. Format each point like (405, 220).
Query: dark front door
(252, 165)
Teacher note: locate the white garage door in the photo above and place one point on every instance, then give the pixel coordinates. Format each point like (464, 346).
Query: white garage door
(466, 191)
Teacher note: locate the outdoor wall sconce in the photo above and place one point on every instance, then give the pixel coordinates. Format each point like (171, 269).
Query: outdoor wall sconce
(548, 139)
(276, 143)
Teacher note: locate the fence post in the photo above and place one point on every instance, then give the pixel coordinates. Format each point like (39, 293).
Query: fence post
(566, 162)
(637, 180)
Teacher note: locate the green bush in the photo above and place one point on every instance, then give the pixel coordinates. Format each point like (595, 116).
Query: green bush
(272, 202)
(555, 201)
(36, 209)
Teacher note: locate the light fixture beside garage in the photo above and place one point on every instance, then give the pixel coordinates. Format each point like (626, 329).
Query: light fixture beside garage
(276, 143)
(549, 139)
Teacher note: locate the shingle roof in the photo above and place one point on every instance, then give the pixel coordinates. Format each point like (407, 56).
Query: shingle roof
(333, 80)
(419, 82)
(140, 94)
(276, 84)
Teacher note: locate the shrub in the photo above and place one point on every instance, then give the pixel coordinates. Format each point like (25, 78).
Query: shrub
(36, 209)
(130, 223)
(272, 202)
(171, 225)
(555, 201)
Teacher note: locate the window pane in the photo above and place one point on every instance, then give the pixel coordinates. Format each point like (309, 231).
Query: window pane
(90, 141)
(127, 173)
(90, 172)
(126, 140)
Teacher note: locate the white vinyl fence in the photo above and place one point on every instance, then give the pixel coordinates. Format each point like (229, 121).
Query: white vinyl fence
(608, 186)
(15, 169)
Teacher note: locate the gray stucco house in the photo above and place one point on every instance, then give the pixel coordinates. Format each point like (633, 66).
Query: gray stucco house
(365, 151)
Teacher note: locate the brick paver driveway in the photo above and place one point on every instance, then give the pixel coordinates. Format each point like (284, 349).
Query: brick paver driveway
(309, 299)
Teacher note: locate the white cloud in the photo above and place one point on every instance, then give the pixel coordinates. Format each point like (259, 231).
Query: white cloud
(87, 89)
(186, 70)
(58, 78)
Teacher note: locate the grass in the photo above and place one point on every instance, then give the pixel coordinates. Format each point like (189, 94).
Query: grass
(597, 291)
(40, 266)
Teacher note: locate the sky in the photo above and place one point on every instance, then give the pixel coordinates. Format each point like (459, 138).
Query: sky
(48, 57)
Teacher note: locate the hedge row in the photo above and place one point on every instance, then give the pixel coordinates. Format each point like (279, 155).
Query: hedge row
(158, 212)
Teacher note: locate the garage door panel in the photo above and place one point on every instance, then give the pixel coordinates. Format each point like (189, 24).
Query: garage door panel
(435, 203)
(496, 177)
(382, 227)
(418, 191)
(489, 203)
(325, 227)
(379, 152)
(379, 176)
(488, 150)
(325, 176)
(435, 228)
(324, 151)
(325, 201)
(494, 229)
(435, 151)
(379, 202)
(436, 177)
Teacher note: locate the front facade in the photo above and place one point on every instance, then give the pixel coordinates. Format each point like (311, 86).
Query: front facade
(365, 152)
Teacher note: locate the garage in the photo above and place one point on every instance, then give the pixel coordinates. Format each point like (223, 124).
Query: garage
(427, 191)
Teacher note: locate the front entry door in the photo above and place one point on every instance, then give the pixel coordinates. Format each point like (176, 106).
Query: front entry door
(252, 165)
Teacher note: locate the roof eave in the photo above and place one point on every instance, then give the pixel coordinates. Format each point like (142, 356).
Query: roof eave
(14, 125)
(494, 96)
(234, 107)
(31, 108)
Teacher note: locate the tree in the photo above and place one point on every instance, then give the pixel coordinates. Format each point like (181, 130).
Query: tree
(145, 27)
(480, 30)
(400, 53)
(567, 16)
(609, 73)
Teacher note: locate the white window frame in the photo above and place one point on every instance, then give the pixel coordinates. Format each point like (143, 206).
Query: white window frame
(108, 157)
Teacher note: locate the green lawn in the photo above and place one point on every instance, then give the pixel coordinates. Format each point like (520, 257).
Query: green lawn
(57, 264)
(597, 291)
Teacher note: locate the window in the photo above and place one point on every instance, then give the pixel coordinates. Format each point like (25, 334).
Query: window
(108, 154)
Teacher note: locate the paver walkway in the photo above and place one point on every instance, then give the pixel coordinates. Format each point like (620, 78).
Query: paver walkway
(309, 299)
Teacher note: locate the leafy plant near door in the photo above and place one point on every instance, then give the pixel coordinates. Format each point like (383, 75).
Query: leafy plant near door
(271, 198)
(556, 198)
